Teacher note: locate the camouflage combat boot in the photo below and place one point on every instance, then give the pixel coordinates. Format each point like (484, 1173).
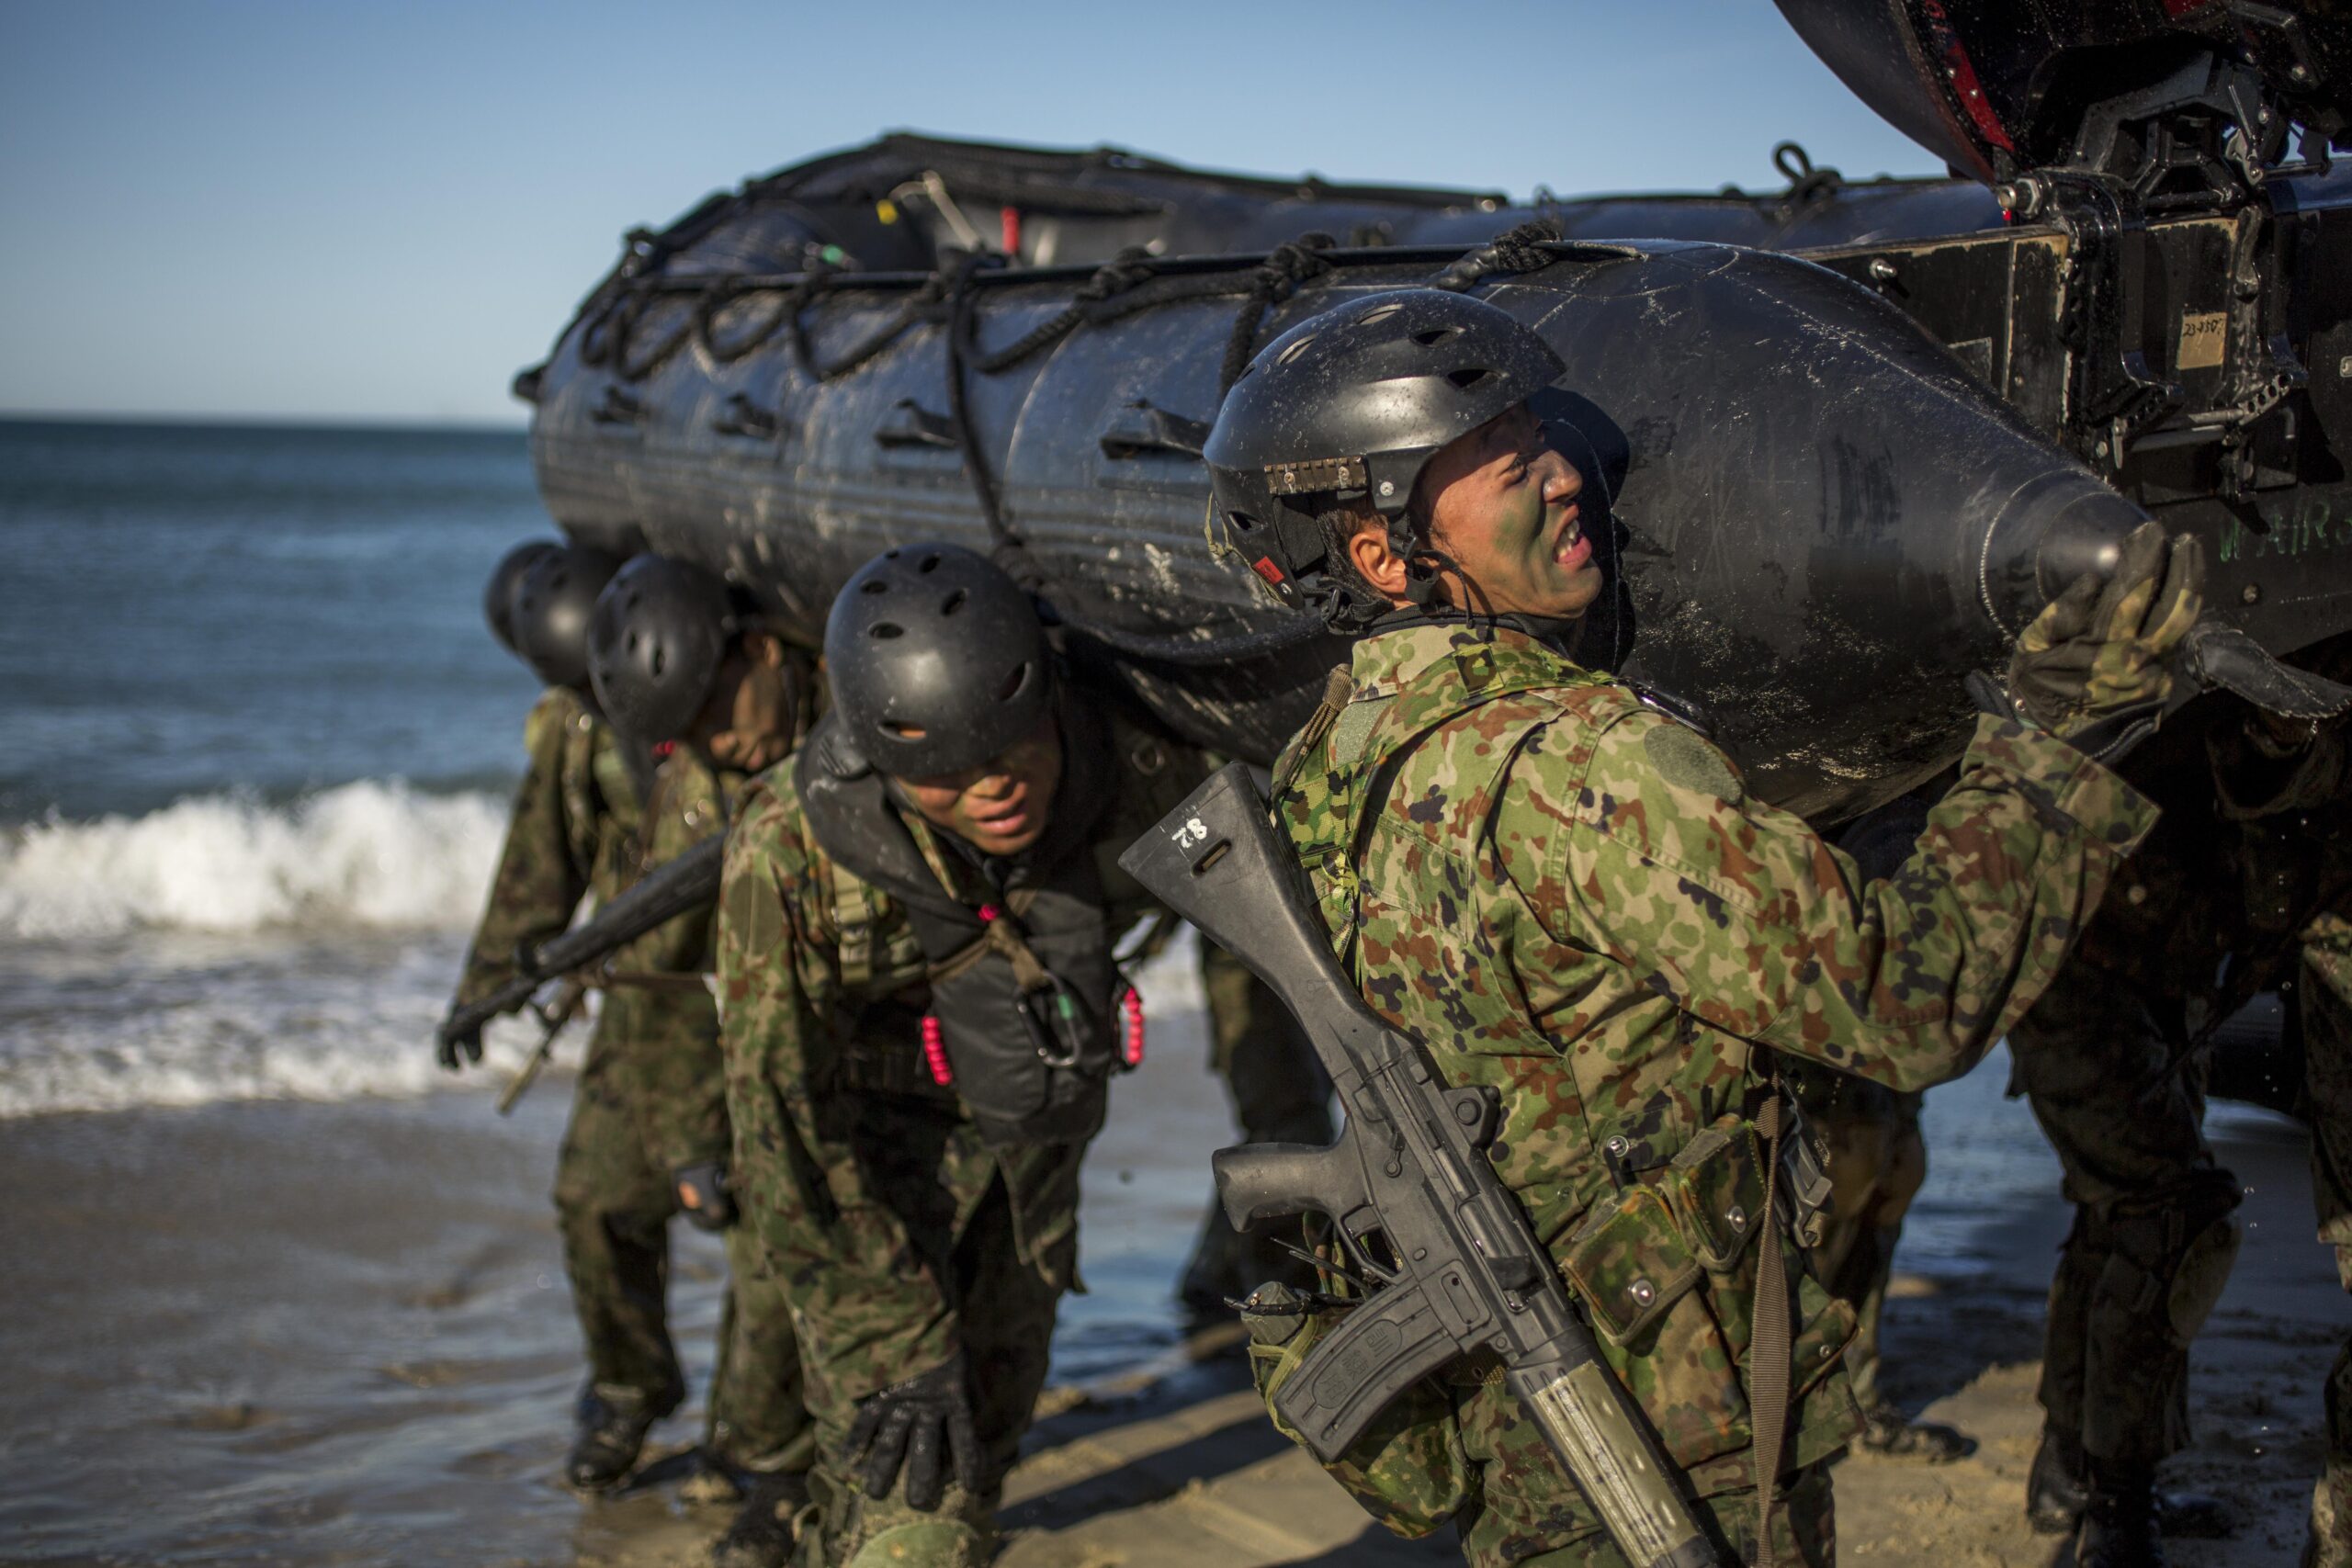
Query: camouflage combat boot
(607, 1435)
(761, 1534)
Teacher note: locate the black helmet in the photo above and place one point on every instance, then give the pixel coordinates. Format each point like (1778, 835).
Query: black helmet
(1353, 402)
(655, 644)
(933, 637)
(498, 594)
(548, 612)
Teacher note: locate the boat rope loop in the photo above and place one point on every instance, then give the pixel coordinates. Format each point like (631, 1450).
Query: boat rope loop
(788, 305)
(1116, 277)
(1524, 248)
(1274, 280)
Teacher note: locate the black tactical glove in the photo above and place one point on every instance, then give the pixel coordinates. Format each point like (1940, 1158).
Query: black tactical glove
(449, 1040)
(2095, 668)
(908, 1425)
(702, 1193)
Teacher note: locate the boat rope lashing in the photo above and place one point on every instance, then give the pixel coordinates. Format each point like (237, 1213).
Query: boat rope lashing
(920, 307)
(1524, 249)
(790, 303)
(961, 317)
(1116, 277)
(1274, 280)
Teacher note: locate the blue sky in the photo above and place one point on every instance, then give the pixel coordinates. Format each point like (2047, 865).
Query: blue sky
(380, 211)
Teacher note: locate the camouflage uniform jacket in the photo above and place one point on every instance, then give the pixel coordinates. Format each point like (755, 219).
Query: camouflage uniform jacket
(850, 1160)
(658, 1007)
(572, 833)
(576, 832)
(1569, 897)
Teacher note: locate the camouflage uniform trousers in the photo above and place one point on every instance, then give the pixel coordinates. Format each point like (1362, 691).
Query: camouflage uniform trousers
(613, 1205)
(1878, 1161)
(2326, 996)
(1280, 1094)
(2101, 1063)
(1006, 1326)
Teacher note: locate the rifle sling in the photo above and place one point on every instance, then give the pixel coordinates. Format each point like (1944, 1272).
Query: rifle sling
(853, 926)
(1772, 1345)
(608, 978)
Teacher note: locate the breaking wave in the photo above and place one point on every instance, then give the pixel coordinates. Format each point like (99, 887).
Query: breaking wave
(370, 856)
(181, 1022)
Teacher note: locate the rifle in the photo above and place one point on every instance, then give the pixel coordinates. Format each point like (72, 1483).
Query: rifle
(1458, 1266)
(673, 889)
(552, 1016)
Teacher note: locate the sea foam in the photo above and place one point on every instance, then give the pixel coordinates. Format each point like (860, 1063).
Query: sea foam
(375, 855)
(219, 949)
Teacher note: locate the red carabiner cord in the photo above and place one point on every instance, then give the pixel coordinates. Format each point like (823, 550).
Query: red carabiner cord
(934, 1051)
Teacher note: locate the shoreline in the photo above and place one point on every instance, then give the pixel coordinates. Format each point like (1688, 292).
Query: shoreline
(338, 1333)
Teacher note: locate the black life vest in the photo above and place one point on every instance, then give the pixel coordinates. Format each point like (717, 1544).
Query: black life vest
(1022, 979)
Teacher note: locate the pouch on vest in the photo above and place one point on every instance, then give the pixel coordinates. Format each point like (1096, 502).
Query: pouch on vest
(1031, 1045)
(1716, 1184)
(1667, 1275)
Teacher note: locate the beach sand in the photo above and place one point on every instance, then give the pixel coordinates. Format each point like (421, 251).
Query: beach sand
(320, 1334)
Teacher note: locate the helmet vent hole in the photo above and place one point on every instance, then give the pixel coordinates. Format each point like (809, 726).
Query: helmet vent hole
(887, 629)
(1380, 313)
(899, 730)
(874, 585)
(1013, 683)
(1436, 335)
(632, 642)
(660, 663)
(929, 563)
(1294, 350)
(954, 602)
(1465, 379)
(1244, 522)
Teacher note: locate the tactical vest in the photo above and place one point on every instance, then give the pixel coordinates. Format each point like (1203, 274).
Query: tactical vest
(1024, 986)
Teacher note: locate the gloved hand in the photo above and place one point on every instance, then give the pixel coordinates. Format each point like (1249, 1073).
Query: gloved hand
(2095, 668)
(702, 1193)
(448, 1040)
(908, 1425)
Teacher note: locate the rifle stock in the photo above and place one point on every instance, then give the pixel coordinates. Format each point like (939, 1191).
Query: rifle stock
(1416, 1206)
(1216, 843)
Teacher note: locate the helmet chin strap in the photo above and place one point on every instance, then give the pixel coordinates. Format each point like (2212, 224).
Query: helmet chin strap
(1426, 570)
(1425, 564)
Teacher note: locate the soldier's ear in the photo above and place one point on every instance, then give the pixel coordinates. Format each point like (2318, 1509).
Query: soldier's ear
(1381, 569)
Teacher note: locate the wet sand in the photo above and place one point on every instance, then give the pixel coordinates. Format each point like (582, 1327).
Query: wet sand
(338, 1333)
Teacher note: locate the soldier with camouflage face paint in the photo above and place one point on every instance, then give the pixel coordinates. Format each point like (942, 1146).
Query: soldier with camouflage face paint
(1569, 896)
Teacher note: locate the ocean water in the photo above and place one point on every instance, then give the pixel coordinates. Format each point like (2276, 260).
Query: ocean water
(257, 744)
